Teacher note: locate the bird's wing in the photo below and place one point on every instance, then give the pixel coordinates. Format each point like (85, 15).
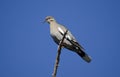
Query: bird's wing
(69, 36)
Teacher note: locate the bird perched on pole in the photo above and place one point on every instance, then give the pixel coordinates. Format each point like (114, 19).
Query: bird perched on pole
(57, 31)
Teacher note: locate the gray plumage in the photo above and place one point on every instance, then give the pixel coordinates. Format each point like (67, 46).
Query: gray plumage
(57, 31)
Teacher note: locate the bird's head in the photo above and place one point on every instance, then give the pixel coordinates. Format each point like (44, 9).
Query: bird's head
(49, 19)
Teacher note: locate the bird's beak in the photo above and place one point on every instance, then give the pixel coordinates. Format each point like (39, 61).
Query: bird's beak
(43, 21)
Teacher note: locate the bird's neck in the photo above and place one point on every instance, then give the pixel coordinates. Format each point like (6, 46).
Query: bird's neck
(53, 25)
(52, 22)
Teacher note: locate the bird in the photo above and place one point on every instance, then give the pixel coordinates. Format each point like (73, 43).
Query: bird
(57, 31)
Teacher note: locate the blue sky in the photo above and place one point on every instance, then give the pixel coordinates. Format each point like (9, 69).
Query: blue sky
(27, 50)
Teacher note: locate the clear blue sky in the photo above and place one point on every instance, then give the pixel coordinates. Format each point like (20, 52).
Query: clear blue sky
(27, 50)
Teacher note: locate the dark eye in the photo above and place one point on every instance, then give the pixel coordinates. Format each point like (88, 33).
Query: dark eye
(47, 18)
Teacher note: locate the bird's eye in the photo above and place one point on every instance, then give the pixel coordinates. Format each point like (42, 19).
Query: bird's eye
(47, 18)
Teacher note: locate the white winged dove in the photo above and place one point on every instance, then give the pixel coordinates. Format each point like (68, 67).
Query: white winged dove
(57, 31)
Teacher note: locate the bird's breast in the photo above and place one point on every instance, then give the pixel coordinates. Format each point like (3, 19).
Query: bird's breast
(55, 34)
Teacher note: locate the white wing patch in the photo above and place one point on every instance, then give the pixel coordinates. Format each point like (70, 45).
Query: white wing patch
(67, 36)
(60, 30)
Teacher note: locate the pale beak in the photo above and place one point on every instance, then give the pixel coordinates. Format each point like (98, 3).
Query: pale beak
(43, 21)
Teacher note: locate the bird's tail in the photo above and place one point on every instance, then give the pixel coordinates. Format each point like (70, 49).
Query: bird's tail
(84, 56)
